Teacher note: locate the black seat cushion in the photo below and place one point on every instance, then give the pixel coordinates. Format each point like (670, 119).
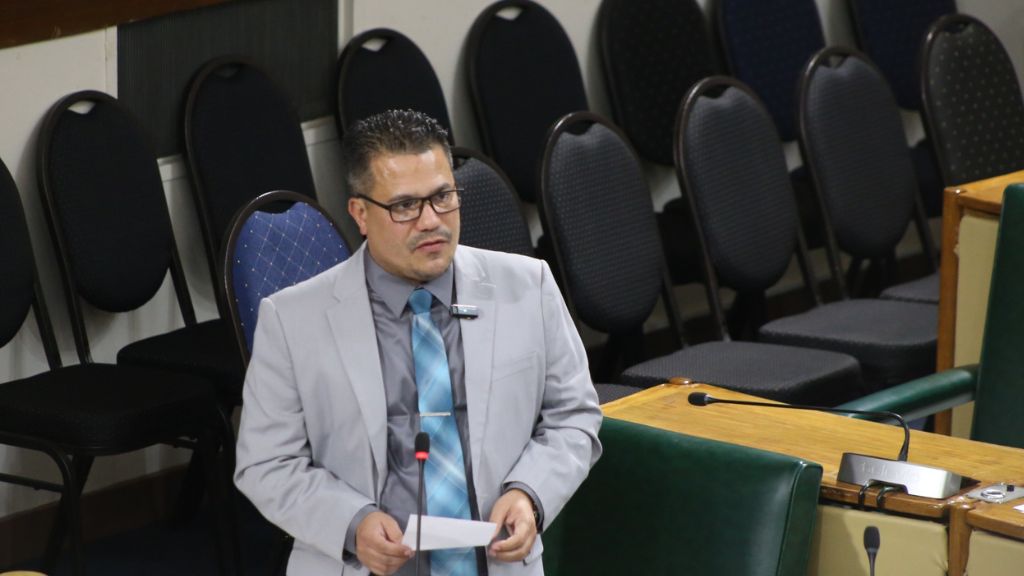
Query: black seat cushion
(893, 341)
(105, 407)
(925, 290)
(207, 349)
(782, 373)
(609, 392)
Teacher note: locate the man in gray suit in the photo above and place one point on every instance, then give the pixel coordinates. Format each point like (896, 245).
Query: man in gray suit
(348, 366)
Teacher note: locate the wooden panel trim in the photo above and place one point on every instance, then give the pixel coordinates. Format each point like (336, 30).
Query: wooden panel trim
(23, 22)
(111, 510)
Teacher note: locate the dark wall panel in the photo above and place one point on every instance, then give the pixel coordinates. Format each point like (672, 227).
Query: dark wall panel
(295, 42)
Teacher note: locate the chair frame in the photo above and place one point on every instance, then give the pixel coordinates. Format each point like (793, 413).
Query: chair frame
(819, 60)
(700, 90)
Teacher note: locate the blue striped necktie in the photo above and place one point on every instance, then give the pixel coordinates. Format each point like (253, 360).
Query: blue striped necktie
(445, 470)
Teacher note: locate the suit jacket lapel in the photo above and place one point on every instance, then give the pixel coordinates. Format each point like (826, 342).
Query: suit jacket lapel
(474, 287)
(351, 321)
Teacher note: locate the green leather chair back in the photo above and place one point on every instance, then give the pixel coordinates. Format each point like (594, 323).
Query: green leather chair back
(664, 503)
(1000, 394)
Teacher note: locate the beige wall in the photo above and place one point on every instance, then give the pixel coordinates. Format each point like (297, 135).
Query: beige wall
(36, 75)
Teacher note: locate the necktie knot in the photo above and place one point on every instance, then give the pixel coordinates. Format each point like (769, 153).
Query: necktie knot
(420, 301)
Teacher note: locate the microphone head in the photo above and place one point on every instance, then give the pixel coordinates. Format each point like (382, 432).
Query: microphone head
(700, 398)
(422, 445)
(871, 539)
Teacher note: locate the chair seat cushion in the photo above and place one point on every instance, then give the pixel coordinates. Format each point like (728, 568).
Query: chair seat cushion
(609, 392)
(924, 290)
(893, 341)
(105, 408)
(208, 349)
(782, 373)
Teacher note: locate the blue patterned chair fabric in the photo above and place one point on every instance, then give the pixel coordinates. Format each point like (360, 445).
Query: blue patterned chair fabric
(276, 250)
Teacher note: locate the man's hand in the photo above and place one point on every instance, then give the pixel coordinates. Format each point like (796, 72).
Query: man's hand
(514, 512)
(379, 544)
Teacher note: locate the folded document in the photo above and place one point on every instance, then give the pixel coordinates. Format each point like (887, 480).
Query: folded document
(440, 533)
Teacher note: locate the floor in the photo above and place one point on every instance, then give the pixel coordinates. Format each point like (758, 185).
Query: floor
(164, 549)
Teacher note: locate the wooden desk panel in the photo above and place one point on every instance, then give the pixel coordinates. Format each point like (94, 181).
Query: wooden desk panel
(985, 198)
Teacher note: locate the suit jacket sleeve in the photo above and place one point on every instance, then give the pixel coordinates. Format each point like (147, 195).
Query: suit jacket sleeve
(564, 445)
(275, 469)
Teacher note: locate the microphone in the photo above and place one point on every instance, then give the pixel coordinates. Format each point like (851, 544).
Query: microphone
(871, 543)
(422, 447)
(863, 470)
(703, 399)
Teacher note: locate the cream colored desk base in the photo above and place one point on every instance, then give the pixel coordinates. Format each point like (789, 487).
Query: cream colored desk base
(909, 547)
(993, 555)
(976, 251)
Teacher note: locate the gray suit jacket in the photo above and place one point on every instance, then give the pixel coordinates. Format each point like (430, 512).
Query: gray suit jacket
(312, 448)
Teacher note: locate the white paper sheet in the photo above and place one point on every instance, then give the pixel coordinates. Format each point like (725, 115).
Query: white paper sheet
(440, 533)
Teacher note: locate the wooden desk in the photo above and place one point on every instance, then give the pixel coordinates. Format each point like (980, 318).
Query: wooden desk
(994, 537)
(822, 438)
(970, 219)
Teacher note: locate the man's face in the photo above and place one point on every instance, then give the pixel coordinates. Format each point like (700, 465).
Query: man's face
(419, 250)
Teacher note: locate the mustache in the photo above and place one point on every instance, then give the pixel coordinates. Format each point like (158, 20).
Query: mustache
(439, 234)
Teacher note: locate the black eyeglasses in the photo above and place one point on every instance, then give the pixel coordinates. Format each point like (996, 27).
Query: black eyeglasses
(443, 202)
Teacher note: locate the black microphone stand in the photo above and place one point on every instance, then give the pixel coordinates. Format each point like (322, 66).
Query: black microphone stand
(422, 447)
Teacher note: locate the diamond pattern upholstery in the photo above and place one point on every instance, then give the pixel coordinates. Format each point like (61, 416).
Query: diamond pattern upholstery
(271, 251)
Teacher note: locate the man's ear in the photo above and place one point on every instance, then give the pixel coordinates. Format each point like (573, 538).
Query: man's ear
(357, 210)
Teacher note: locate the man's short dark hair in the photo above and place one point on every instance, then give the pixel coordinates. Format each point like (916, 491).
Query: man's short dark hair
(390, 132)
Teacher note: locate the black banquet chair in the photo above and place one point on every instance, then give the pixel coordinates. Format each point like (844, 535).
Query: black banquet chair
(523, 75)
(597, 209)
(491, 215)
(891, 34)
(114, 263)
(652, 52)
(766, 43)
(275, 241)
(862, 170)
(730, 162)
(972, 101)
(382, 69)
(242, 139)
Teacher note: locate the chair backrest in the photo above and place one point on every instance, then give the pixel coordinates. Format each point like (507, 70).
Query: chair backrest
(523, 76)
(598, 212)
(682, 508)
(860, 162)
(17, 268)
(106, 208)
(652, 52)
(731, 164)
(1000, 386)
(891, 33)
(767, 43)
(382, 69)
(491, 215)
(20, 291)
(242, 138)
(972, 101)
(277, 240)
